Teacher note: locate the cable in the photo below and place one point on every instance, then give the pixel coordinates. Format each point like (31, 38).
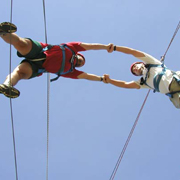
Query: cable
(48, 95)
(14, 144)
(128, 139)
(177, 28)
(11, 107)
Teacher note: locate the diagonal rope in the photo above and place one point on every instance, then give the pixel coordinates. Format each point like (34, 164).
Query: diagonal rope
(11, 107)
(128, 139)
(136, 121)
(177, 28)
(48, 94)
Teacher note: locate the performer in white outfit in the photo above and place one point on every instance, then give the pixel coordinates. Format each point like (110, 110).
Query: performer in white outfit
(155, 75)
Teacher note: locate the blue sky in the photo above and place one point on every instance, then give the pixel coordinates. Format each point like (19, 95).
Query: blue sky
(90, 121)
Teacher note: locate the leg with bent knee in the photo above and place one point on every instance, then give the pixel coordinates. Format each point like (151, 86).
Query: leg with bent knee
(23, 71)
(22, 45)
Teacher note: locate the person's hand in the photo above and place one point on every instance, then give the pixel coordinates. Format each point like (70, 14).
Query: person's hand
(110, 47)
(106, 78)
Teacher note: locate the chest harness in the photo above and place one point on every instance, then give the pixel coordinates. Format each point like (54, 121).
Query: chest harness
(157, 78)
(61, 71)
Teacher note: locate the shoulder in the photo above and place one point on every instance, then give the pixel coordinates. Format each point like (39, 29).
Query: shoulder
(76, 46)
(73, 43)
(149, 59)
(74, 74)
(140, 86)
(133, 84)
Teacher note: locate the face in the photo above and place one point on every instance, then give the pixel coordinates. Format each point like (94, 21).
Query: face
(138, 69)
(79, 61)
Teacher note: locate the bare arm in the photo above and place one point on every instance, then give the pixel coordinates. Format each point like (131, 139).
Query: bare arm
(119, 83)
(91, 77)
(95, 46)
(131, 51)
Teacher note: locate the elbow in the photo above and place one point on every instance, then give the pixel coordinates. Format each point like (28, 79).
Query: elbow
(85, 76)
(131, 85)
(138, 87)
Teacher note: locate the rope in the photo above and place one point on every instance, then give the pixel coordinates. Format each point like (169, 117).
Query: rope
(11, 108)
(177, 28)
(14, 145)
(128, 139)
(44, 13)
(48, 94)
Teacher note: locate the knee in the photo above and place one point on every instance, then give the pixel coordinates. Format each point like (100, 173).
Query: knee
(21, 74)
(24, 43)
(24, 71)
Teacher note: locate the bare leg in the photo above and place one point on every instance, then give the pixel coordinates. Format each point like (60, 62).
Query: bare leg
(22, 45)
(23, 71)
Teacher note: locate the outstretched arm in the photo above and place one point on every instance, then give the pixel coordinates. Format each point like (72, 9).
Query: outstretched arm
(91, 77)
(95, 46)
(122, 84)
(131, 51)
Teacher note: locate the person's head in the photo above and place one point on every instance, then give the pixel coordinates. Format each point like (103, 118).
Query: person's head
(137, 68)
(80, 60)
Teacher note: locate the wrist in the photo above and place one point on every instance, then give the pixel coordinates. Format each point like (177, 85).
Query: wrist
(101, 78)
(114, 48)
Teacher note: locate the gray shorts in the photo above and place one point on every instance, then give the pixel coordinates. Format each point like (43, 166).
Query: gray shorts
(175, 86)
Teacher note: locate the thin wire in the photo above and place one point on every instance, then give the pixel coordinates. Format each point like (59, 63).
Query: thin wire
(128, 139)
(48, 92)
(44, 13)
(48, 95)
(11, 107)
(14, 144)
(177, 28)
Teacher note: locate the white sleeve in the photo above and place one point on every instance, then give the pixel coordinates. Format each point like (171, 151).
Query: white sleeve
(148, 59)
(141, 86)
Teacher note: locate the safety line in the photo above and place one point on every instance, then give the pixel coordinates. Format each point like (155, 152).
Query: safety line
(14, 144)
(177, 28)
(128, 139)
(48, 95)
(11, 107)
